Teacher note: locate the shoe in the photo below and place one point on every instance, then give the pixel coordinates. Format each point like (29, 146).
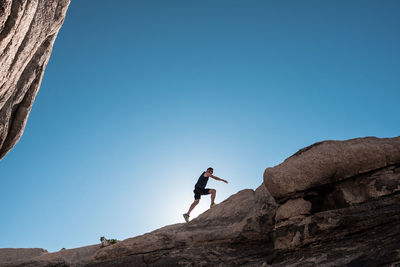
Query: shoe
(212, 205)
(186, 217)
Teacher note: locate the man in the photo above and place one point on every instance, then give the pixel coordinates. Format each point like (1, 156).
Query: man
(199, 189)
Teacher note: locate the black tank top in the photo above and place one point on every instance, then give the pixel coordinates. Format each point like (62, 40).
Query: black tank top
(202, 182)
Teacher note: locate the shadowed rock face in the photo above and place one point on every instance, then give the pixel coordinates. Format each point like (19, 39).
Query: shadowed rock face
(14, 254)
(244, 218)
(352, 219)
(28, 29)
(340, 193)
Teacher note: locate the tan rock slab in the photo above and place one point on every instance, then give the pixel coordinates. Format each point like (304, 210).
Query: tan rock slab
(329, 162)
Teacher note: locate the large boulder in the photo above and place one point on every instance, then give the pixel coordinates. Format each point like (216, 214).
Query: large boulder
(28, 29)
(330, 162)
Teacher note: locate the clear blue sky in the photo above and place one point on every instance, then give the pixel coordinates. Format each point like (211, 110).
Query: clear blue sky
(139, 97)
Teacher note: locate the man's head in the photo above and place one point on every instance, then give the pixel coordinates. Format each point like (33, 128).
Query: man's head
(210, 170)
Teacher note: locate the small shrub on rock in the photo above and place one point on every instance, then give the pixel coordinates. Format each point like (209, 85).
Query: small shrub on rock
(107, 242)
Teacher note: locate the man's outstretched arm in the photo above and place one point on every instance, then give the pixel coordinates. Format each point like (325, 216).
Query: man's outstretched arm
(218, 179)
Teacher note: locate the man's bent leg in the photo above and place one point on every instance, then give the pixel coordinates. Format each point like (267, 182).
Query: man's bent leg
(194, 204)
(213, 193)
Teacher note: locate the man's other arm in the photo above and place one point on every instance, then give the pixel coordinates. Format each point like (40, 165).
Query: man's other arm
(218, 179)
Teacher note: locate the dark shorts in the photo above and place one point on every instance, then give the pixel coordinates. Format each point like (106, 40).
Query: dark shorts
(200, 191)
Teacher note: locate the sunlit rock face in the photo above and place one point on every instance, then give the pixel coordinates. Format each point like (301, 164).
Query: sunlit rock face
(330, 162)
(28, 29)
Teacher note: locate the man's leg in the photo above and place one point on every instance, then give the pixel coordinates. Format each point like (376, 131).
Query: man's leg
(213, 193)
(194, 204)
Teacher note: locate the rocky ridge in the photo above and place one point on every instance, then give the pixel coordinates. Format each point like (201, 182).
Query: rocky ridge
(28, 29)
(334, 203)
(341, 207)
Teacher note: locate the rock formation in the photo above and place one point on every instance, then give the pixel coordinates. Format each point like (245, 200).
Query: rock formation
(338, 203)
(244, 218)
(335, 203)
(28, 29)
